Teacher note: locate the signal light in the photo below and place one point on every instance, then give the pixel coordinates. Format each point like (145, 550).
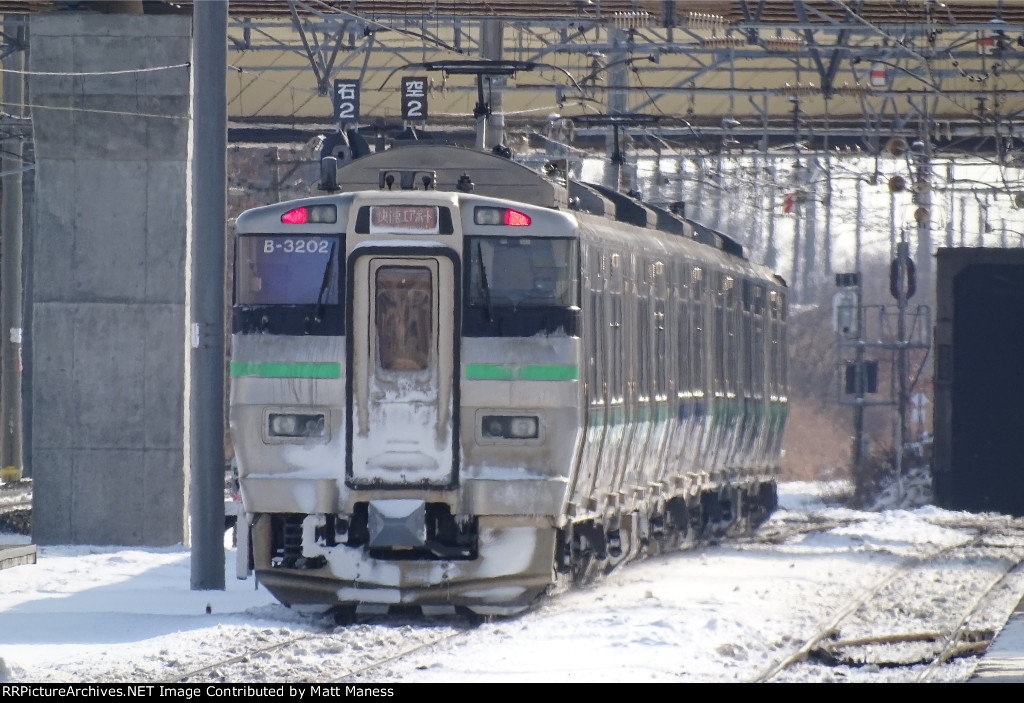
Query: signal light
(500, 216)
(514, 218)
(312, 214)
(298, 216)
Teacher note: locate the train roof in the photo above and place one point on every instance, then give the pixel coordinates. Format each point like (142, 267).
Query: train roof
(445, 167)
(489, 174)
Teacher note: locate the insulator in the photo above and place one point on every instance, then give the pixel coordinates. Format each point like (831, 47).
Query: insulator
(897, 146)
(847, 89)
(799, 89)
(701, 20)
(722, 42)
(783, 43)
(633, 19)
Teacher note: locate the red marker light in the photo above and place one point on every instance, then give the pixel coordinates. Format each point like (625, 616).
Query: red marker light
(514, 218)
(298, 216)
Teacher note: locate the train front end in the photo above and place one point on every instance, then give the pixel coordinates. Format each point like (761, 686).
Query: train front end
(405, 396)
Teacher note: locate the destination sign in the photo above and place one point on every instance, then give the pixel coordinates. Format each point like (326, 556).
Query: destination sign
(403, 219)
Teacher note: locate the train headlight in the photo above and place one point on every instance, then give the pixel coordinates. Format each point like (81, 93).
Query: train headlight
(296, 425)
(510, 427)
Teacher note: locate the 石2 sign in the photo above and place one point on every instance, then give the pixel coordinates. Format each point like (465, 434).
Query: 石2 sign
(346, 100)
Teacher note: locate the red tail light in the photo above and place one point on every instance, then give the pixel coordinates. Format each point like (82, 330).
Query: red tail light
(514, 218)
(298, 216)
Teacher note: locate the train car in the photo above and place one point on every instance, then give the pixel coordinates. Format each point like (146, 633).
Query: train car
(460, 383)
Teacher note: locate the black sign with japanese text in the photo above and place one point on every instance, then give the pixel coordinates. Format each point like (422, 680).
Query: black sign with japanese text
(414, 98)
(346, 100)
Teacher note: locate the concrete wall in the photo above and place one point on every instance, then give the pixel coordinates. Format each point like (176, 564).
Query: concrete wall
(108, 278)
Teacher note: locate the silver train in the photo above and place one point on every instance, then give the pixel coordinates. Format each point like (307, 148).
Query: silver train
(456, 382)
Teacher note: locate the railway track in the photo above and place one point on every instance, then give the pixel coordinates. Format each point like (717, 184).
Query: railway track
(923, 639)
(359, 649)
(366, 669)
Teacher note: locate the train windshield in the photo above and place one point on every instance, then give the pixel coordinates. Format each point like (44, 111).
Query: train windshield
(522, 271)
(287, 270)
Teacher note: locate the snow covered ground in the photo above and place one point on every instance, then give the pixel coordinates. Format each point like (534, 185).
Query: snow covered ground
(724, 613)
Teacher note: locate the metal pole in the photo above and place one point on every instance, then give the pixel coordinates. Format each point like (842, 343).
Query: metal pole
(902, 254)
(826, 253)
(982, 221)
(796, 257)
(858, 410)
(617, 75)
(771, 253)
(892, 226)
(963, 220)
(11, 290)
(923, 199)
(206, 304)
(950, 186)
(810, 263)
(491, 127)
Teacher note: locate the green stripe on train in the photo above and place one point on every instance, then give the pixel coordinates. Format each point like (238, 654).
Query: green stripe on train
(528, 372)
(282, 370)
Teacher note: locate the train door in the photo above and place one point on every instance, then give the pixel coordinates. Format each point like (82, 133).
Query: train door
(401, 385)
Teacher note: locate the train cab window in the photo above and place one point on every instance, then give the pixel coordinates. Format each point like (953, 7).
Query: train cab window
(522, 271)
(287, 270)
(288, 284)
(404, 306)
(521, 286)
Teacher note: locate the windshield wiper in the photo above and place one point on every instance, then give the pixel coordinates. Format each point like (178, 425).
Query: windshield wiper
(324, 286)
(486, 289)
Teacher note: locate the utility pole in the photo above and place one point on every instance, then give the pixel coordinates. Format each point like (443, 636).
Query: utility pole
(206, 295)
(858, 409)
(490, 127)
(902, 282)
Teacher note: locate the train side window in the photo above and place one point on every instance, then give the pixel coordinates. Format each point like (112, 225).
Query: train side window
(597, 346)
(404, 309)
(783, 362)
(616, 361)
(775, 340)
(699, 326)
(684, 351)
(718, 357)
(661, 360)
(757, 342)
(747, 341)
(644, 346)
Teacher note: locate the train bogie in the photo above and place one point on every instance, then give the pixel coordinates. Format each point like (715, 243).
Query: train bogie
(443, 397)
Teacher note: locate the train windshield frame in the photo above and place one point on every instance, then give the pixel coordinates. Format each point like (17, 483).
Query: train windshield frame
(275, 269)
(521, 286)
(289, 283)
(523, 271)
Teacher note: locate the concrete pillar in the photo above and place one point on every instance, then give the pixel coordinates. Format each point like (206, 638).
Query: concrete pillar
(108, 277)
